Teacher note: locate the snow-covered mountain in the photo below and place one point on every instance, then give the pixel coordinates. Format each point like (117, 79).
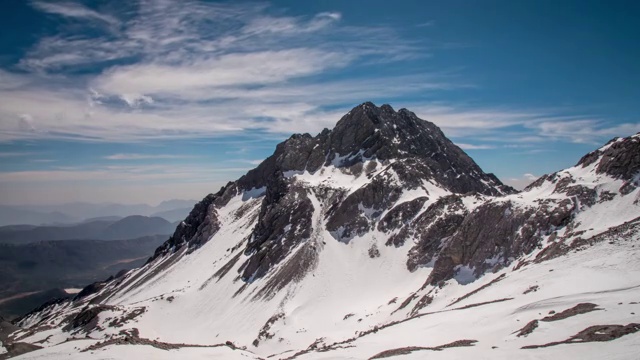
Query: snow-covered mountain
(379, 238)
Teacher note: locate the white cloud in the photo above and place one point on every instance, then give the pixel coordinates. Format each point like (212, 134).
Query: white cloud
(246, 161)
(255, 68)
(461, 120)
(520, 182)
(185, 69)
(475, 147)
(130, 174)
(584, 130)
(136, 100)
(73, 10)
(118, 192)
(10, 81)
(145, 156)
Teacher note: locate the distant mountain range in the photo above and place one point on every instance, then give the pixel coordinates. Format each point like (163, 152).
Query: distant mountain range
(70, 213)
(129, 227)
(38, 262)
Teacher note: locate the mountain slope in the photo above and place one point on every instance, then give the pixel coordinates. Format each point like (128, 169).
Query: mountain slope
(374, 239)
(30, 269)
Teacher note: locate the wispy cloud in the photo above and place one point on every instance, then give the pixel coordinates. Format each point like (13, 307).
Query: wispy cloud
(186, 69)
(145, 156)
(181, 69)
(246, 161)
(73, 10)
(130, 174)
(520, 182)
(475, 147)
(12, 154)
(584, 130)
(521, 126)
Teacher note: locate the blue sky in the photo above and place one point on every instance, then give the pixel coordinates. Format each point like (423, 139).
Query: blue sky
(149, 100)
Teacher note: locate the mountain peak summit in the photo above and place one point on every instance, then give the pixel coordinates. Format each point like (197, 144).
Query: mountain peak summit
(369, 132)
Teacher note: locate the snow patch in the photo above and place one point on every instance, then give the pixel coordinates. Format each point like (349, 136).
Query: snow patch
(254, 193)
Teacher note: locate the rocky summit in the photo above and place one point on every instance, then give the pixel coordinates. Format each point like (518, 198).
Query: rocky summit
(378, 238)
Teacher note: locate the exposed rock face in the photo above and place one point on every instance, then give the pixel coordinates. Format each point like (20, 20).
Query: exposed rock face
(512, 233)
(349, 217)
(409, 151)
(620, 159)
(284, 222)
(371, 132)
(401, 214)
(439, 222)
(196, 229)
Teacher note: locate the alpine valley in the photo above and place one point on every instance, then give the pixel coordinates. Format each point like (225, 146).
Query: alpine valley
(377, 239)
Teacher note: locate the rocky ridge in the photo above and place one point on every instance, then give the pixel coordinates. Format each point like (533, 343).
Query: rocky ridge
(409, 151)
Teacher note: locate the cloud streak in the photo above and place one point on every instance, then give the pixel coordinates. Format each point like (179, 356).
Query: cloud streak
(182, 69)
(129, 174)
(475, 147)
(73, 10)
(145, 156)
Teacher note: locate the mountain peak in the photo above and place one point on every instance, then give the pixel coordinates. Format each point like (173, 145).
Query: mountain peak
(369, 132)
(384, 133)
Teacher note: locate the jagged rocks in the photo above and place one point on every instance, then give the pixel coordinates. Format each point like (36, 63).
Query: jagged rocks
(440, 221)
(196, 229)
(353, 214)
(401, 214)
(513, 232)
(87, 318)
(411, 150)
(285, 221)
(621, 159)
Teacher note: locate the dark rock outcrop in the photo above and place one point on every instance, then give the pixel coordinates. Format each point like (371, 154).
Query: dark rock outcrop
(196, 229)
(401, 214)
(439, 222)
(620, 159)
(405, 152)
(513, 232)
(381, 133)
(352, 215)
(285, 221)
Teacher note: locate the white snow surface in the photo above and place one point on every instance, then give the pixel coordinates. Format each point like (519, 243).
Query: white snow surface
(349, 293)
